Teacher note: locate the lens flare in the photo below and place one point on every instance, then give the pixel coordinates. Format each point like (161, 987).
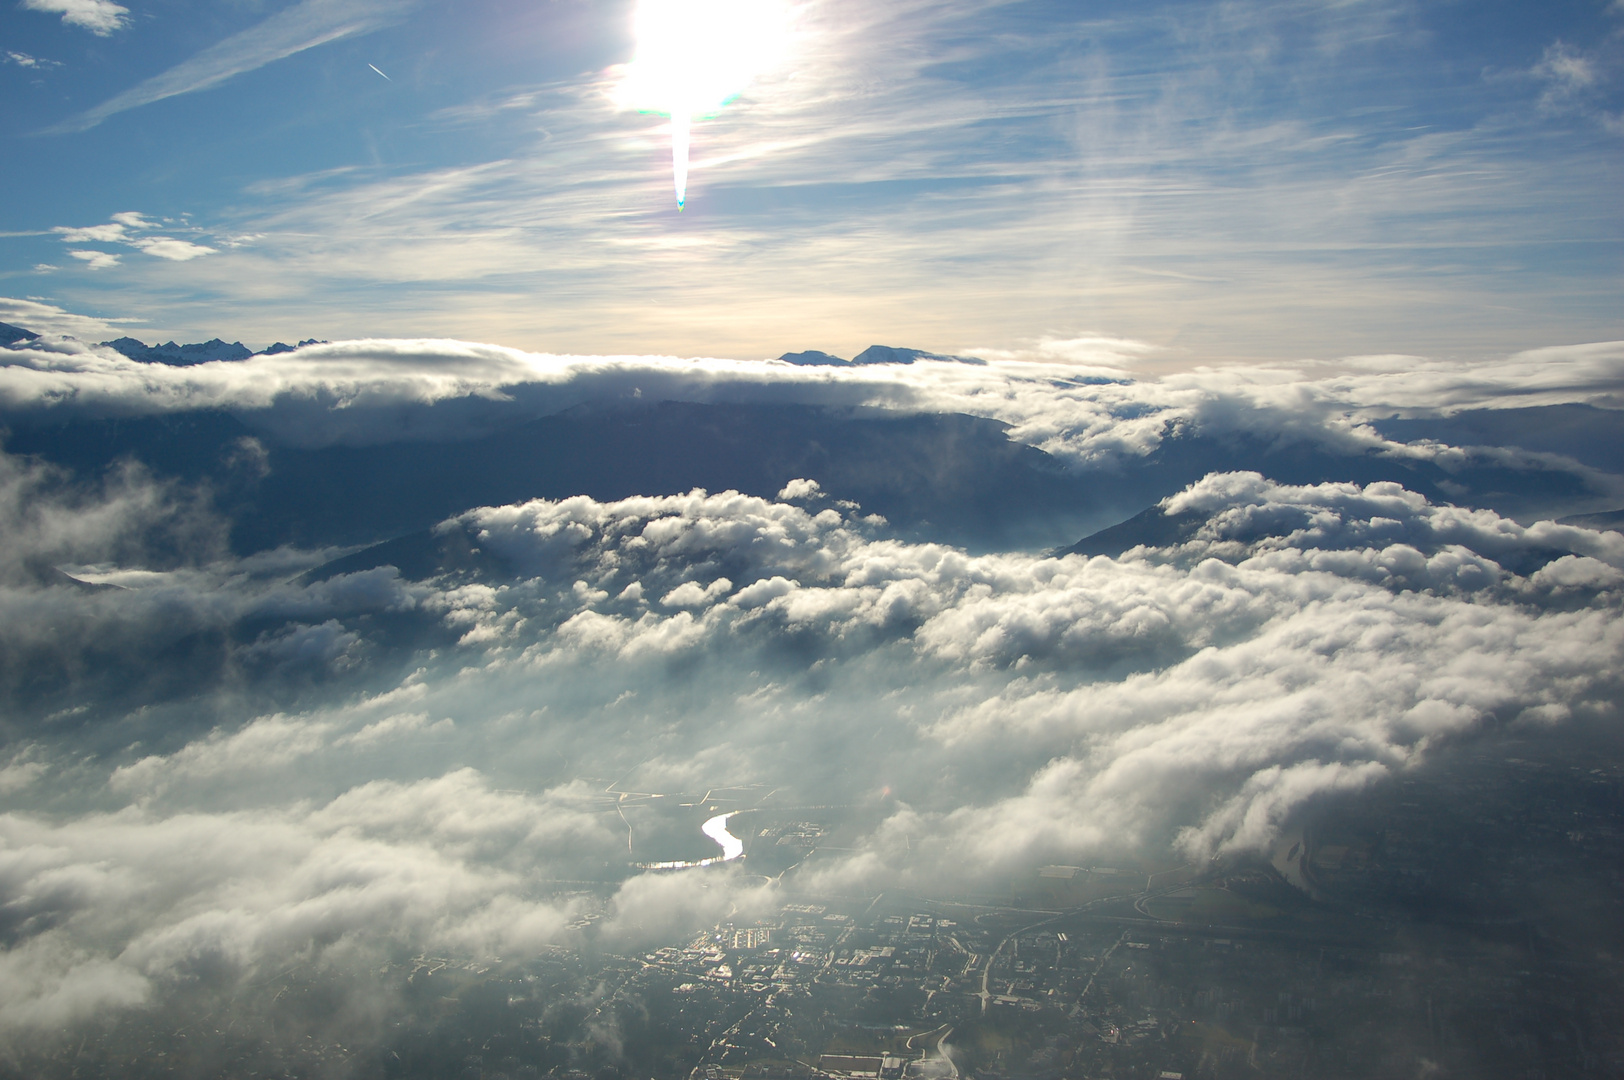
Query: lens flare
(694, 56)
(681, 125)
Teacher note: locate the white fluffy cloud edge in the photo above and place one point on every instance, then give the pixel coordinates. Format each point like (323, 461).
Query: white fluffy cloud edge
(975, 715)
(1078, 399)
(100, 17)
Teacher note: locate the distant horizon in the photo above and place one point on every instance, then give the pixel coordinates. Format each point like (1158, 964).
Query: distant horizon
(1092, 349)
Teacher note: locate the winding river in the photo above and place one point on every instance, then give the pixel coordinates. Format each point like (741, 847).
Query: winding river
(715, 828)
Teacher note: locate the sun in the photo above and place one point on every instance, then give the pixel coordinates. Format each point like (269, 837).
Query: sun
(694, 56)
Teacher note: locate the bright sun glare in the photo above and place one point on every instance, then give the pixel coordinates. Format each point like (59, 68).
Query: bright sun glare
(694, 56)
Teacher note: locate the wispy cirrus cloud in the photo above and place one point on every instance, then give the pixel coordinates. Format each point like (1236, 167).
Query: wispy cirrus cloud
(1566, 70)
(100, 17)
(23, 60)
(305, 25)
(41, 316)
(936, 174)
(1577, 81)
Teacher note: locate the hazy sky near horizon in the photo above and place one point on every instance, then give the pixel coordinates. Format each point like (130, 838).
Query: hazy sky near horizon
(1251, 179)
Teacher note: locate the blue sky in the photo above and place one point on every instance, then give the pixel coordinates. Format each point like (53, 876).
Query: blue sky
(1255, 179)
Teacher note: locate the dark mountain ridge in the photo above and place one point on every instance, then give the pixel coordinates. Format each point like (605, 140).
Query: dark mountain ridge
(956, 479)
(874, 354)
(937, 477)
(200, 353)
(10, 335)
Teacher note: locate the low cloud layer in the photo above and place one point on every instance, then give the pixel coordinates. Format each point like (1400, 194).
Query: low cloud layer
(971, 717)
(1080, 412)
(219, 761)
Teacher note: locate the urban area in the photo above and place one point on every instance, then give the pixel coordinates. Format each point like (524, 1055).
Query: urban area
(1464, 923)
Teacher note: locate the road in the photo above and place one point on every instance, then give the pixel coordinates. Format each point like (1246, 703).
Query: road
(1137, 898)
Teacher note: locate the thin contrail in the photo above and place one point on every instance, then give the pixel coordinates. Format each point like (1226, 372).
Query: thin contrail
(374, 68)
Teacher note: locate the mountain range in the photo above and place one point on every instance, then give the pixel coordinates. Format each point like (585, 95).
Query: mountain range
(938, 477)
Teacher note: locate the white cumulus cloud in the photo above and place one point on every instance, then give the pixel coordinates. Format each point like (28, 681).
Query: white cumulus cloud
(972, 715)
(96, 260)
(165, 247)
(100, 17)
(1300, 641)
(127, 229)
